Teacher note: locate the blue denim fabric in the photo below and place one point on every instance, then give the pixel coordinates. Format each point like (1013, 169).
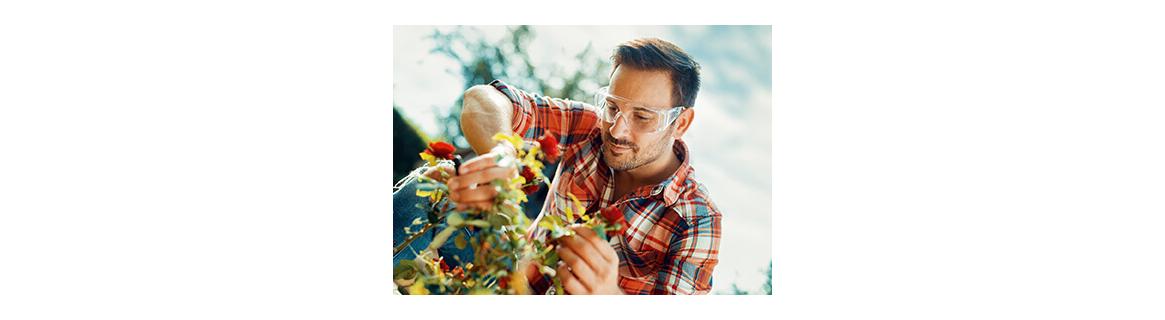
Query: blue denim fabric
(405, 209)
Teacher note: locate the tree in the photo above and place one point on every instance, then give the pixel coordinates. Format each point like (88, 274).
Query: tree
(482, 61)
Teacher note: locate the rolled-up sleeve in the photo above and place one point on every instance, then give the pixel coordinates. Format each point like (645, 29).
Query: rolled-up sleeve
(535, 115)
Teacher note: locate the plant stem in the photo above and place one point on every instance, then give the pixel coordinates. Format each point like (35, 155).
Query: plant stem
(412, 238)
(424, 229)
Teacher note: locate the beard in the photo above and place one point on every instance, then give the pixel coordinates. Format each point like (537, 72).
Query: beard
(634, 156)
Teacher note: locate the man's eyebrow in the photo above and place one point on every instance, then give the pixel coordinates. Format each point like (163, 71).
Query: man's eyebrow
(638, 106)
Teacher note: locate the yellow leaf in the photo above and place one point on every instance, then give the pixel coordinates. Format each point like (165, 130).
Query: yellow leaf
(530, 156)
(513, 139)
(569, 214)
(429, 158)
(418, 288)
(548, 222)
(578, 207)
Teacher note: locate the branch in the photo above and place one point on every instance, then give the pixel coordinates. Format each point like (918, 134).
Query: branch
(414, 237)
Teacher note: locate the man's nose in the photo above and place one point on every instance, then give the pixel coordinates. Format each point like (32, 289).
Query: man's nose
(619, 129)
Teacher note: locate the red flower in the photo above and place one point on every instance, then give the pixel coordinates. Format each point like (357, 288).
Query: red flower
(503, 282)
(528, 174)
(549, 145)
(614, 216)
(444, 267)
(441, 150)
(458, 272)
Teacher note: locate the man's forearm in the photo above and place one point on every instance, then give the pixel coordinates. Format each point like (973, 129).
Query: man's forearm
(485, 112)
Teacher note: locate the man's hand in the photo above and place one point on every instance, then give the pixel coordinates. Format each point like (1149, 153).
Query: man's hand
(472, 188)
(441, 172)
(589, 265)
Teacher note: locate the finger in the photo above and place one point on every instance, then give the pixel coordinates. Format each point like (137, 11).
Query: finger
(472, 195)
(475, 195)
(570, 283)
(435, 172)
(480, 178)
(479, 163)
(460, 204)
(532, 272)
(584, 252)
(580, 268)
(603, 248)
(480, 205)
(466, 207)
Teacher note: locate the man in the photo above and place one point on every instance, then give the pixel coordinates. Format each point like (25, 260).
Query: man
(623, 152)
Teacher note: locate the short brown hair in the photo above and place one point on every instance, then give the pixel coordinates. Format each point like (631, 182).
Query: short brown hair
(658, 54)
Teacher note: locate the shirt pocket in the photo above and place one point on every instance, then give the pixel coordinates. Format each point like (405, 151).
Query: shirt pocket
(640, 263)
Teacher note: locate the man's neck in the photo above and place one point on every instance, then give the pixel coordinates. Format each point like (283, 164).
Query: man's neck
(651, 173)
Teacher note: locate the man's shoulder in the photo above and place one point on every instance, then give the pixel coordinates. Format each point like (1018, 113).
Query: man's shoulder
(694, 202)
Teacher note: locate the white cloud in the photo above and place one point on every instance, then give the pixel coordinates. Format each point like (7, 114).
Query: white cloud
(730, 141)
(423, 85)
(746, 241)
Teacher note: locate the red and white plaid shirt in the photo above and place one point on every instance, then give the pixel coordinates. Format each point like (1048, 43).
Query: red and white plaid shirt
(673, 240)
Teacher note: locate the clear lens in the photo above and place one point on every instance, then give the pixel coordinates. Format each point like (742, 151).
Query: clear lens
(638, 117)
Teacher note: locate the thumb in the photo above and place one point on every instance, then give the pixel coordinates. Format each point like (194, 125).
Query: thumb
(435, 172)
(532, 270)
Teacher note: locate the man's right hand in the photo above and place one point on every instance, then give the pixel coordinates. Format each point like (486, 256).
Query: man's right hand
(473, 187)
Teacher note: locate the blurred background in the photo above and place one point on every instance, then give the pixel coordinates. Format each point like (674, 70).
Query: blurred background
(730, 139)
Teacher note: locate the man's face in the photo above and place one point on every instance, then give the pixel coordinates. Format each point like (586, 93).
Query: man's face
(623, 148)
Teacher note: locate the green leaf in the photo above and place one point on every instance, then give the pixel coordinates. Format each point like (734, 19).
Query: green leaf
(406, 270)
(498, 220)
(551, 258)
(440, 238)
(602, 232)
(559, 233)
(478, 223)
(454, 219)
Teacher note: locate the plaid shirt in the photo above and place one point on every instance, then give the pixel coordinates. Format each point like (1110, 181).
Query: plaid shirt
(673, 240)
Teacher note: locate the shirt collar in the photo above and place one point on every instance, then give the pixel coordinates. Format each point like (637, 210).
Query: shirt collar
(669, 189)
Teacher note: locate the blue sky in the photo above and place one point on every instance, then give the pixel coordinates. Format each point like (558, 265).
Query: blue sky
(730, 139)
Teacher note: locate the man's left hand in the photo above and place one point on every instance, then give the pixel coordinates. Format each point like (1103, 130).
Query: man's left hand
(589, 265)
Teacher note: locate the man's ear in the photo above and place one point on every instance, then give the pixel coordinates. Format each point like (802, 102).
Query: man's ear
(684, 121)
